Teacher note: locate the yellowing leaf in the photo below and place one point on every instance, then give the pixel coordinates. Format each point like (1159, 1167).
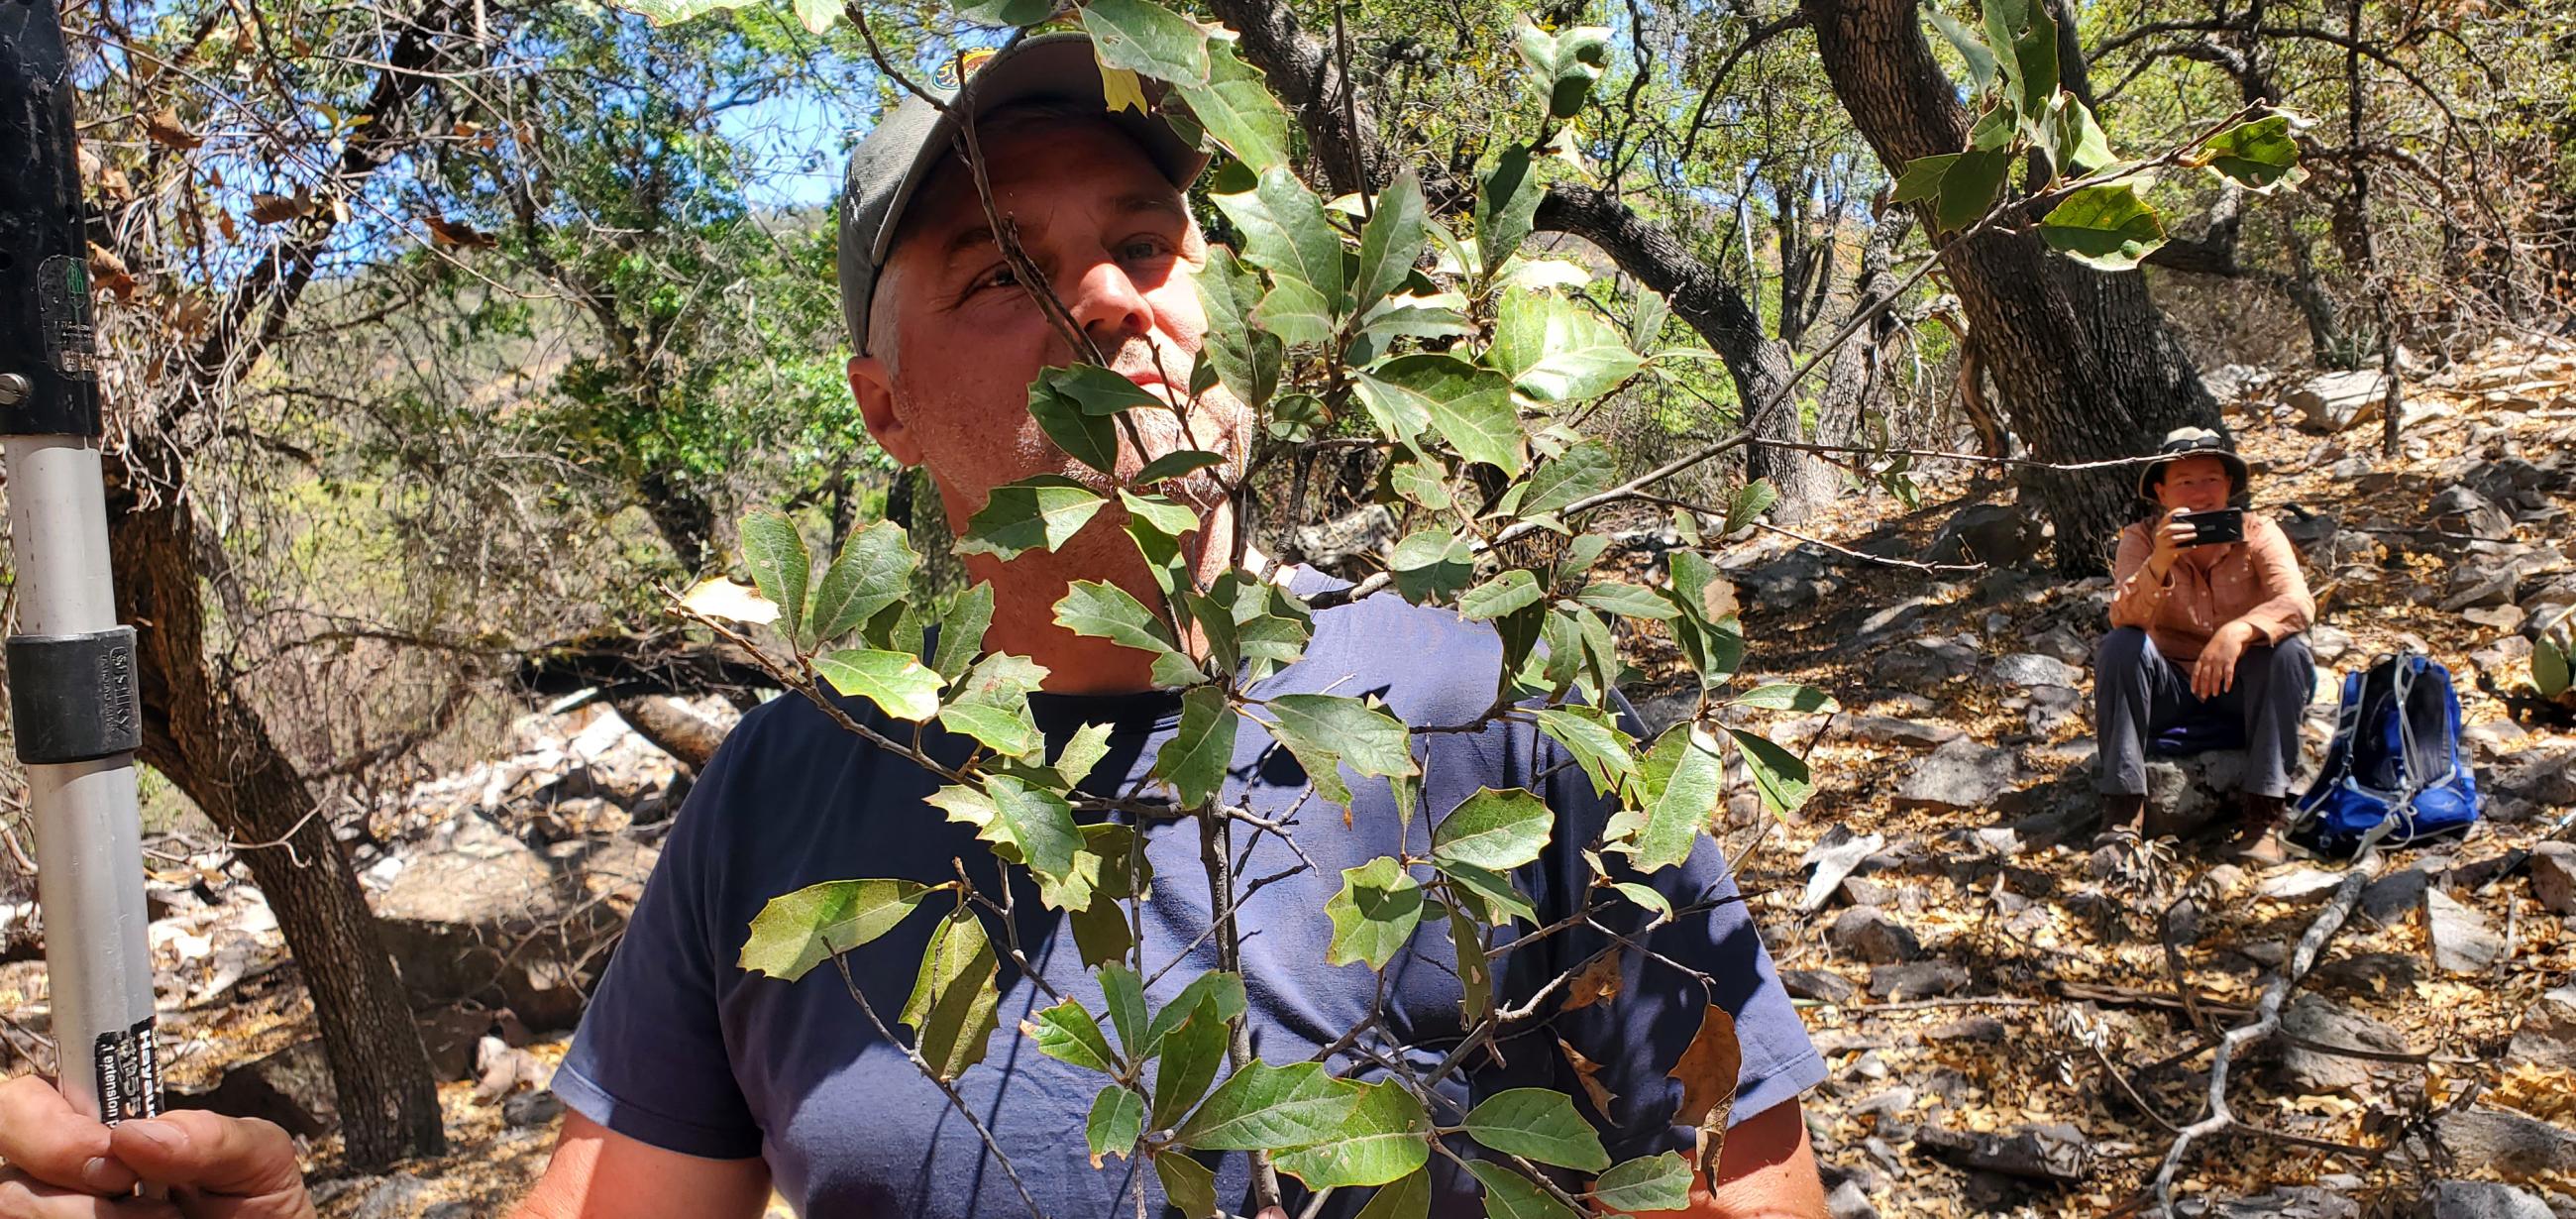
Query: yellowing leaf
(720, 597)
(1122, 89)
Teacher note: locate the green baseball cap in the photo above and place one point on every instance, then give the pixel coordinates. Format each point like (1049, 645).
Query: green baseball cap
(908, 144)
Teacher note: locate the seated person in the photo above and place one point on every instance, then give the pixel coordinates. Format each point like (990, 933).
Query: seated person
(2203, 630)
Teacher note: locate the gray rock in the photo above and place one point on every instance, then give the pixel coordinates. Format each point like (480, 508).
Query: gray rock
(1792, 580)
(1823, 986)
(1834, 858)
(1892, 619)
(2545, 776)
(2547, 1037)
(2063, 644)
(1916, 980)
(2337, 401)
(1848, 1202)
(2481, 1200)
(2285, 1202)
(2024, 669)
(2505, 1143)
(2461, 940)
(2328, 644)
(2049, 1151)
(483, 918)
(2050, 706)
(390, 1198)
(2460, 511)
(1888, 730)
(1983, 1029)
(1961, 775)
(2369, 973)
(1866, 934)
(2553, 876)
(2300, 886)
(532, 1108)
(2320, 1021)
(2396, 895)
(2495, 739)
(2001, 535)
(1926, 662)
(291, 1087)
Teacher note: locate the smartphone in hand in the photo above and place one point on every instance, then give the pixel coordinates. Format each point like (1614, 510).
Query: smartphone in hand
(2216, 527)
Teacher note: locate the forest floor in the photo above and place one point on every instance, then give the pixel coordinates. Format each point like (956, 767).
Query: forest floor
(2045, 1002)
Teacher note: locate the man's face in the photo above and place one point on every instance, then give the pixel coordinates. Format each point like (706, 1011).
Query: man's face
(1116, 243)
(2195, 484)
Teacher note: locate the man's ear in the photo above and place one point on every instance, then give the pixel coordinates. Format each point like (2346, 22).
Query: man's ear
(872, 383)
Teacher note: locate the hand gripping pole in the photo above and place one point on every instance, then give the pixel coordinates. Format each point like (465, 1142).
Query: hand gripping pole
(75, 712)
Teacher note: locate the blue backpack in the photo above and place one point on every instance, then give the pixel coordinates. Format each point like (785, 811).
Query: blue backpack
(2394, 772)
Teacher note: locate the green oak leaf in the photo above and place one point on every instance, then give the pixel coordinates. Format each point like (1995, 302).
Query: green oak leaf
(1195, 760)
(1068, 1034)
(1374, 914)
(1648, 1183)
(1117, 1117)
(1539, 1124)
(1144, 37)
(1494, 830)
(873, 571)
(775, 552)
(1781, 776)
(795, 933)
(895, 681)
(1039, 513)
(1509, 1195)
(951, 1011)
(1386, 1137)
(2108, 228)
(992, 704)
(1270, 1108)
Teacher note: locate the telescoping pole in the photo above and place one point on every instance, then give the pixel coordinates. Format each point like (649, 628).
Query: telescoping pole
(71, 667)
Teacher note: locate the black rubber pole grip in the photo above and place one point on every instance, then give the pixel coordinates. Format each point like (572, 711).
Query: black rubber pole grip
(72, 697)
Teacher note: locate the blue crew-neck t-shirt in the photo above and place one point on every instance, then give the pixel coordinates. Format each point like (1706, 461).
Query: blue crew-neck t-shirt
(682, 1049)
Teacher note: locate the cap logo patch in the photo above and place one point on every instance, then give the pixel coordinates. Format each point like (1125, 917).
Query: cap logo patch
(953, 71)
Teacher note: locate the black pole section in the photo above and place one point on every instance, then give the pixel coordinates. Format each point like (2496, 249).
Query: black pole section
(71, 666)
(48, 350)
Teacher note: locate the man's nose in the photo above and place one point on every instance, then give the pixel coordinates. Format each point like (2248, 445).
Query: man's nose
(1109, 306)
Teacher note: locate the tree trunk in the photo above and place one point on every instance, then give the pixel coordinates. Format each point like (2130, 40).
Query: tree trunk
(219, 751)
(686, 521)
(2085, 366)
(1706, 302)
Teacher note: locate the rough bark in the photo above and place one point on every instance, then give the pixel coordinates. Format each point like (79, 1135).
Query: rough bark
(2084, 364)
(219, 751)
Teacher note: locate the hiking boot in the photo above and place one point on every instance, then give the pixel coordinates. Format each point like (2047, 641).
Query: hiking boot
(2120, 816)
(2256, 838)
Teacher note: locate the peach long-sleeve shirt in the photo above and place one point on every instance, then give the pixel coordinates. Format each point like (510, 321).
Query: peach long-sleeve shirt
(2257, 580)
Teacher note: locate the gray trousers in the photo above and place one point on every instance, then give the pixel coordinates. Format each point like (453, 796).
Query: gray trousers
(2137, 693)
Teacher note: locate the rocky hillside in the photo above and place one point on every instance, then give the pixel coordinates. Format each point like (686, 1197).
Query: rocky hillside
(2016, 1021)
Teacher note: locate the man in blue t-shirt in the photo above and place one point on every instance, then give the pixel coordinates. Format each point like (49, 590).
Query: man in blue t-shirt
(697, 1088)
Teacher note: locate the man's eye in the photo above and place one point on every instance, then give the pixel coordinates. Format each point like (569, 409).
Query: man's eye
(999, 277)
(1145, 247)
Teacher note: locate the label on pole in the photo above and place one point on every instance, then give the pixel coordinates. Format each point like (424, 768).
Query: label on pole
(129, 1073)
(71, 342)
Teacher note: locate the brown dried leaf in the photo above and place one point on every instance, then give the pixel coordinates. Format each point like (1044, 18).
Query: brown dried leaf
(166, 130)
(1708, 1071)
(1598, 982)
(1718, 600)
(278, 209)
(107, 272)
(444, 232)
(1584, 1070)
